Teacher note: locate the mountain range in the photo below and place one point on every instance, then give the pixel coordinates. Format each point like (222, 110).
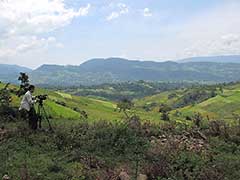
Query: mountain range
(216, 59)
(114, 70)
(10, 73)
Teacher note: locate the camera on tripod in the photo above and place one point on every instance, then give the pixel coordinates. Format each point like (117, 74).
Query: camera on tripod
(41, 98)
(41, 112)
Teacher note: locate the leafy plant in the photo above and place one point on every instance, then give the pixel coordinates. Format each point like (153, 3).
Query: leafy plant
(124, 106)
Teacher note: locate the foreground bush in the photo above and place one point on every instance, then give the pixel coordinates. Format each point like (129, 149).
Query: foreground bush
(105, 150)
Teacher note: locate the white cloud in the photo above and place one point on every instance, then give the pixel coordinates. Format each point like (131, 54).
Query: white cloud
(121, 9)
(36, 16)
(113, 15)
(22, 22)
(215, 32)
(22, 44)
(147, 12)
(212, 32)
(228, 44)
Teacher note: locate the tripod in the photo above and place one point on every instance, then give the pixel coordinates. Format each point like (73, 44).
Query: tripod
(42, 115)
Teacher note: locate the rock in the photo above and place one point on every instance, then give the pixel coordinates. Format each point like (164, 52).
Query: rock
(142, 177)
(134, 122)
(5, 177)
(123, 176)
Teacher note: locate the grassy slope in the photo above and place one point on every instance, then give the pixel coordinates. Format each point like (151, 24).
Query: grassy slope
(95, 108)
(220, 107)
(44, 160)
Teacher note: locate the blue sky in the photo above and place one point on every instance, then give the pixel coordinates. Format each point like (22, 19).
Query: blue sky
(72, 31)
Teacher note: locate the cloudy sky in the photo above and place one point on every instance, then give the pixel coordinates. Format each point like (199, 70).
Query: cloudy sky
(35, 32)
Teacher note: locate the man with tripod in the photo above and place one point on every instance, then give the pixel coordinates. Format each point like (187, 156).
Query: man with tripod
(27, 105)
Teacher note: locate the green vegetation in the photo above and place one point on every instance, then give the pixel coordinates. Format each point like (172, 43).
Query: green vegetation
(212, 102)
(129, 90)
(105, 150)
(116, 70)
(186, 133)
(65, 106)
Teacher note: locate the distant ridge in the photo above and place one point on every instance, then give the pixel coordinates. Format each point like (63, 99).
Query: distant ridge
(114, 70)
(10, 73)
(216, 59)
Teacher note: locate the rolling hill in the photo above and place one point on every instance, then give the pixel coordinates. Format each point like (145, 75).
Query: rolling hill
(113, 70)
(210, 101)
(61, 106)
(223, 105)
(97, 147)
(10, 73)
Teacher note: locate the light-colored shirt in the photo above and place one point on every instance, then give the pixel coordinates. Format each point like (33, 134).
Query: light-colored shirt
(27, 101)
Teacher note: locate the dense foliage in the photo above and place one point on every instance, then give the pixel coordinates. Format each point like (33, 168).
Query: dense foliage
(129, 90)
(115, 70)
(103, 150)
(89, 147)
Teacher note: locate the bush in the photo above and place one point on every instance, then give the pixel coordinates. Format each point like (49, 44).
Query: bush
(165, 116)
(6, 112)
(218, 128)
(103, 139)
(157, 166)
(62, 103)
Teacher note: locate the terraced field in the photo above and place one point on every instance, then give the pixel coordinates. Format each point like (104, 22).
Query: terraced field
(61, 105)
(224, 106)
(221, 107)
(78, 149)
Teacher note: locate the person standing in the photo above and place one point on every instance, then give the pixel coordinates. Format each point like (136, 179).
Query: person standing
(27, 105)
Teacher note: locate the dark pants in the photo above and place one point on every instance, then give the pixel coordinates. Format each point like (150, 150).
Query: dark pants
(33, 119)
(23, 114)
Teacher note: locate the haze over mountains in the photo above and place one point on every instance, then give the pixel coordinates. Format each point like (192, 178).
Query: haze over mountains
(217, 59)
(112, 70)
(10, 73)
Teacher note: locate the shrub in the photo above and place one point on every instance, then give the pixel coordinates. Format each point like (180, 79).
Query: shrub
(102, 139)
(7, 112)
(165, 116)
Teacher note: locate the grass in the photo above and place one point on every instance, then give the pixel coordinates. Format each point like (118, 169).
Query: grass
(61, 105)
(221, 107)
(64, 95)
(100, 150)
(87, 149)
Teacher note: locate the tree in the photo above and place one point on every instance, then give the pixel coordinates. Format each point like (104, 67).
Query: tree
(6, 112)
(24, 84)
(197, 119)
(165, 116)
(5, 96)
(164, 108)
(221, 89)
(213, 93)
(237, 119)
(124, 106)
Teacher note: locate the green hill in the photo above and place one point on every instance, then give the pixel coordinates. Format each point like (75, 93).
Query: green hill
(221, 107)
(206, 100)
(109, 148)
(61, 105)
(115, 70)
